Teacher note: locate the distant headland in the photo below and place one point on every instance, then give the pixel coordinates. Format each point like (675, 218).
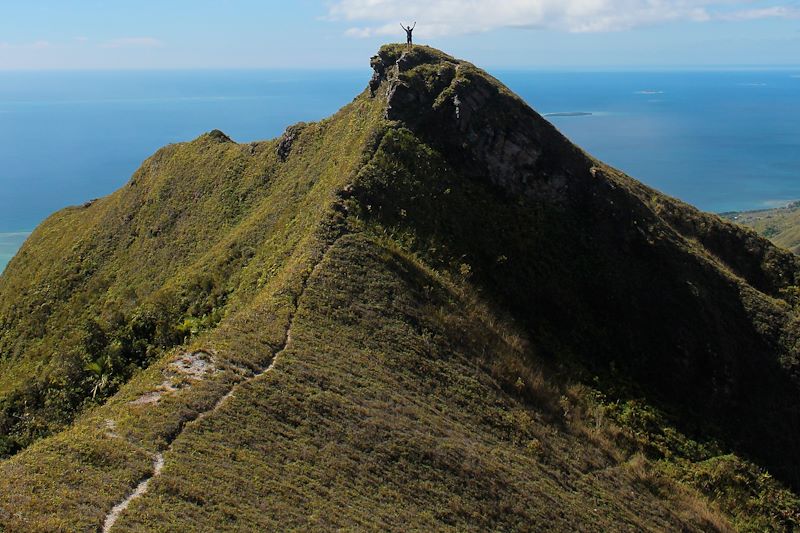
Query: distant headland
(569, 114)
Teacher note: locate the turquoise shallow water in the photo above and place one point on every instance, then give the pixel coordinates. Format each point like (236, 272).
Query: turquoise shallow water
(719, 140)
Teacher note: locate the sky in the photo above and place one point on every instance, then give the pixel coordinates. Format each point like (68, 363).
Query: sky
(315, 34)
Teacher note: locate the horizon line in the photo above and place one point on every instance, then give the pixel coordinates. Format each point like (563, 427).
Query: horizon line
(545, 68)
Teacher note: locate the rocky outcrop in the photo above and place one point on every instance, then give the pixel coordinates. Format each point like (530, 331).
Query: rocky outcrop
(286, 141)
(219, 136)
(473, 118)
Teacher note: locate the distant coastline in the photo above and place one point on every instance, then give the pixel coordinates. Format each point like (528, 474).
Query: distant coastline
(781, 224)
(792, 205)
(569, 114)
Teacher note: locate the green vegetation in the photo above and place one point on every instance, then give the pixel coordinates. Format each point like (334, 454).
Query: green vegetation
(780, 225)
(428, 312)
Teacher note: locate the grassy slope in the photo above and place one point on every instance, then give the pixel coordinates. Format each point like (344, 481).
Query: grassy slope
(781, 225)
(198, 231)
(382, 415)
(287, 233)
(401, 401)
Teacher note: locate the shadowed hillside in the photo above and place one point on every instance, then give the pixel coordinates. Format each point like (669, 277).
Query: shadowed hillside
(430, 311)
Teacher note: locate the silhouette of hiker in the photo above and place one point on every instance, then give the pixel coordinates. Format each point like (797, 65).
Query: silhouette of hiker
(409, 32)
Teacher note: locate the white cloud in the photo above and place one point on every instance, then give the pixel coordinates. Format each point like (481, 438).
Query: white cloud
(763, 13)
(133, 42)
(36, 45)
(448, 17)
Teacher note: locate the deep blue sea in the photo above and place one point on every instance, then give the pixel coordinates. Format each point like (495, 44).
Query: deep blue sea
(719, 140)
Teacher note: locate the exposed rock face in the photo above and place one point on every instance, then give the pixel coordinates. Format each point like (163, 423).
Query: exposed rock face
(455, 106)
(287, 140)
(218, 136)
(379, 74)
(492, 134)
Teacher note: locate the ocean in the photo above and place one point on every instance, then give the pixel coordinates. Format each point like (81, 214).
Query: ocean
(721, 140)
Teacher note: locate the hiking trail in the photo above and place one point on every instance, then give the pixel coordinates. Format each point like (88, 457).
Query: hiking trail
(158, 458)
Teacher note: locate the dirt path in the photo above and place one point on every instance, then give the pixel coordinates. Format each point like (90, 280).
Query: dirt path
(158, 460)
(141, 488)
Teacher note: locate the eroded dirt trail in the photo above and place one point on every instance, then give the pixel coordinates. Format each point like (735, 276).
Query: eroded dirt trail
(158, 459)
(141, 488)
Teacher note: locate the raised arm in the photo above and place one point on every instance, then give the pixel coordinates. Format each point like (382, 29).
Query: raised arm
(401, 25)
(415, 25)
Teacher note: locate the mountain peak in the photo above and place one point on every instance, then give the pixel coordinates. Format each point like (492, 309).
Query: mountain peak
(458, 107)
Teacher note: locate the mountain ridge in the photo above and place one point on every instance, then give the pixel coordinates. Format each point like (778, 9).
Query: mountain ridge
(433, 244)
(647, 218)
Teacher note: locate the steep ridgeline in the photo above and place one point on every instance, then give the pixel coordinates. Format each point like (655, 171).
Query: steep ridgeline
(428, 312)
(593, 263)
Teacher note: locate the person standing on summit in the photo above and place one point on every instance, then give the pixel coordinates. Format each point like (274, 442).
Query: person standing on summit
(409, 32)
